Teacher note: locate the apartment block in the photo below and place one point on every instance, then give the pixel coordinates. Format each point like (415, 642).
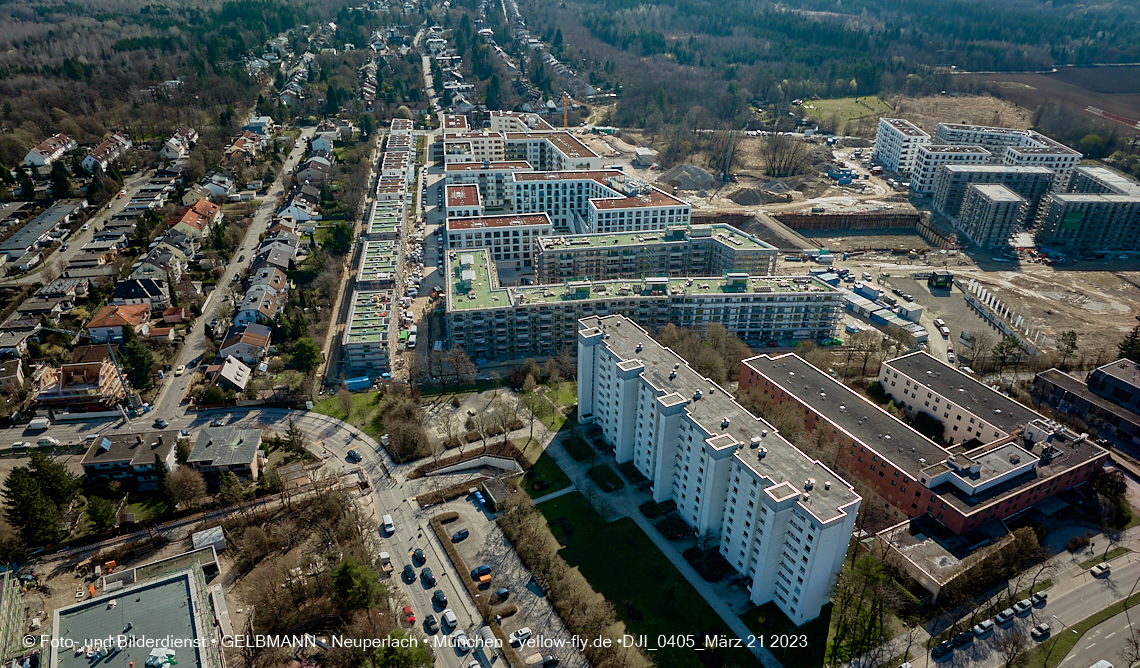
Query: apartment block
(517, 121)
(931, 158)
(990, 214)
(496, 186)
(1014, 147)
(384, 221)
(469, 147)
(1109, 402)
(678, 250)
(960, 486)
(365, 346)
(492, 322)
(784, 519)
(897, 143)
(1032, 183)
(1104, 181)
(507, 238)
(586, 202)
(462, 201)
(1081, 221)
(377, 269)
(550, 151)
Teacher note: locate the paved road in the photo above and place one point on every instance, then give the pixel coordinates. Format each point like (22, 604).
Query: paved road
(174, 388)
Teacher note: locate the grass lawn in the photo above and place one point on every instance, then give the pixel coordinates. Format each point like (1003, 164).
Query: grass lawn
(545, 476)
(664, 604)
(579, 449)
(364, 414)
(847, 108)
(767, 620)
(564, 393)
(148, 506)
(606, 477)
(1102, 557)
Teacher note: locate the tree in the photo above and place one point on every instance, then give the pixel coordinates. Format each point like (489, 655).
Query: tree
(340, 239)
(928, 425)
(160, 471)
(783, 156)
(1067, 345)
(357, 587)
(1009, 350)
(1129, 346)
(139, 362)
(60, 181)
(494, 93)
(1012, 649)
(306, 355)
(29, 509)
(345, 401)
(294, 437)
(101, 512)
(231, 491)
(58, 483)
(185, 487)
(401, 652)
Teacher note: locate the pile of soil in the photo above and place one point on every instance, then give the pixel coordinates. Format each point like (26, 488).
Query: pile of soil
(688, 177)
(749, 197)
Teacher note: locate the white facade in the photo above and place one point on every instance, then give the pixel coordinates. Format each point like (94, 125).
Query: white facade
(990, 214)
(931, 157)
(1011, 146)
(896, 144)
(506, 238)
(783, 519)
(597, 201)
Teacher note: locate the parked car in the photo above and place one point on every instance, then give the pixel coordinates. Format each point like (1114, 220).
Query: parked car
(428, 577)
(439, 598)
(161, 424)
(502, 594)
(519, 637)
(549, 661)
(409, 616)
(480, 571)
(1004, 616)
(418, 556)
(1040, 632)
(460, 640)
(449, 618)
(1022, 607)
(217, 423)
(963, 638)
(1100, 569)
(409, 573)
(180, 370)
(460, 535)
(431, 625)
(944, 647)
(1039, 599)
(983, 628)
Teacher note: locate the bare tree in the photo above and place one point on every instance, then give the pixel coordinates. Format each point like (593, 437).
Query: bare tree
(1012, 648)
(605, 509)
(450, 424)
(484, 423)
(461, 366)
(783, 155)
(345, 401)
(186, 487)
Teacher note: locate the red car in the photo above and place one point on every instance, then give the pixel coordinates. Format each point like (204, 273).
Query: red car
(409, 616)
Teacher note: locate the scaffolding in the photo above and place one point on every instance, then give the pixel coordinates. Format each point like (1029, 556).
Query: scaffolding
(12, 617)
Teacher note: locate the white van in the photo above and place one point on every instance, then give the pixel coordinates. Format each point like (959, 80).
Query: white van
(389, 527)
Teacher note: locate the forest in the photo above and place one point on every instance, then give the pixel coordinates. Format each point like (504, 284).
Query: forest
(671, 56)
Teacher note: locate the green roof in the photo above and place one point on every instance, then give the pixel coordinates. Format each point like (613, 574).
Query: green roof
(370, 318)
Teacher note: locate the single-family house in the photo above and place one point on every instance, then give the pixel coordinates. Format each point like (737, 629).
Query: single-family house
(231, 374)
(197, 219)
(130, 458)
(262, 125)
(250, 345)
(258, 306)
(11, 376)
(14, 342)
(176, 315)
(194, 193)
(274, 257)
(152, 292)
(315, 170)
(107, 324)
(221, 449)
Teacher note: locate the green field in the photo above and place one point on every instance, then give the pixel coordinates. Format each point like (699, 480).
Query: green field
(847, 108)
(648, 593)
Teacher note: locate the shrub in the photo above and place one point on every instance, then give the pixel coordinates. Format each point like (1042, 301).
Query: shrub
(606, 478)
(1078, 543)
(504, 610)
(578, 449)
(629, 470)
(650, 509)
(673, 527)
(455, 402)
(448, 493)
(446, 518)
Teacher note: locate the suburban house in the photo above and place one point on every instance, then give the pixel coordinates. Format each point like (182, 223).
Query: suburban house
(194, 193)
(262, 125)
(107, 325)
(231, 374)
(130, 458)
(152, 292)
(14, 342)
(197, 219)
(218, 185)
(49, 150)
(107, 152)
(250, 345)
(316, 170)
(258, 306)
(323, 141)
(220, 449)
(274, 257)
(11, 376)
(176, 315)
(299, 210)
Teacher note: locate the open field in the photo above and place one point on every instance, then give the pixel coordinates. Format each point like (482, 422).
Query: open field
(846, 109)
(1113, 89)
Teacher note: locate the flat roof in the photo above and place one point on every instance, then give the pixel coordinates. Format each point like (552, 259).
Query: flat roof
(875, 428)
(784, 465)
(463, 195)
(1124, 370)
(490, 165)
(1095, 197)
(654, 197)
(974, 397)
(1078, 388)
(370, 317)
(999, 169)
(478, 292)
(953, 148)
(1112, 179)
(717, 232)
(565, 142)
(155, 609)
(995, 192)
(599, 175)
(378, 257)
(498, 221)
(904, 126)
(963, 127)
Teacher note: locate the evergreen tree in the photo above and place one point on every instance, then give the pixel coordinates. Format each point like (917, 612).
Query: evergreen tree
(28, 509)
(60, 181)
(494, 93)
(101, 512)
(1129, 346)
(58, 483)
(27, 187)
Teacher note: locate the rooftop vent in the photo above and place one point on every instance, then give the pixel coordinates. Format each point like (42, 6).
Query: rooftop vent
(763, 432)
(827, 485)
(672, 375)
(1015, 459)
(724, 423)
(761, 452)
(677, 366)
(755, 442)
(807, 497)
(697, 395)
(809, 483)
(638, 349)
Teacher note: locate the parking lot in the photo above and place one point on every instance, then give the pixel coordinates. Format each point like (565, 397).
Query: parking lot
(487, 545)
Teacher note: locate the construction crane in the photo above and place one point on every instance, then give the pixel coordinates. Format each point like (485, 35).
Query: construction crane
(566, 100)
(1135, 125)
(132, 399)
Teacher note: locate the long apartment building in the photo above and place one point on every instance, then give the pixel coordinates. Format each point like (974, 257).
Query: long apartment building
(990, 214)
(784, 519)
(544, 150)
(677, 250)
(509, 239)
(931, 158)
(1011, 146)
(950, 187)
(1100, 211)
(1001, 457)
(367, 333)
(490, 321)
(586, 202)
(494, 180)
(897, 143)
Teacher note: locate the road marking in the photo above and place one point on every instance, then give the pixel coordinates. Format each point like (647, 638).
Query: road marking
(1110, 635)
(1088, 647)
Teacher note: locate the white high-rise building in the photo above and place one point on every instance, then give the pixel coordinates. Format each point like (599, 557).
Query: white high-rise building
(783, 519)
(896, 144)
